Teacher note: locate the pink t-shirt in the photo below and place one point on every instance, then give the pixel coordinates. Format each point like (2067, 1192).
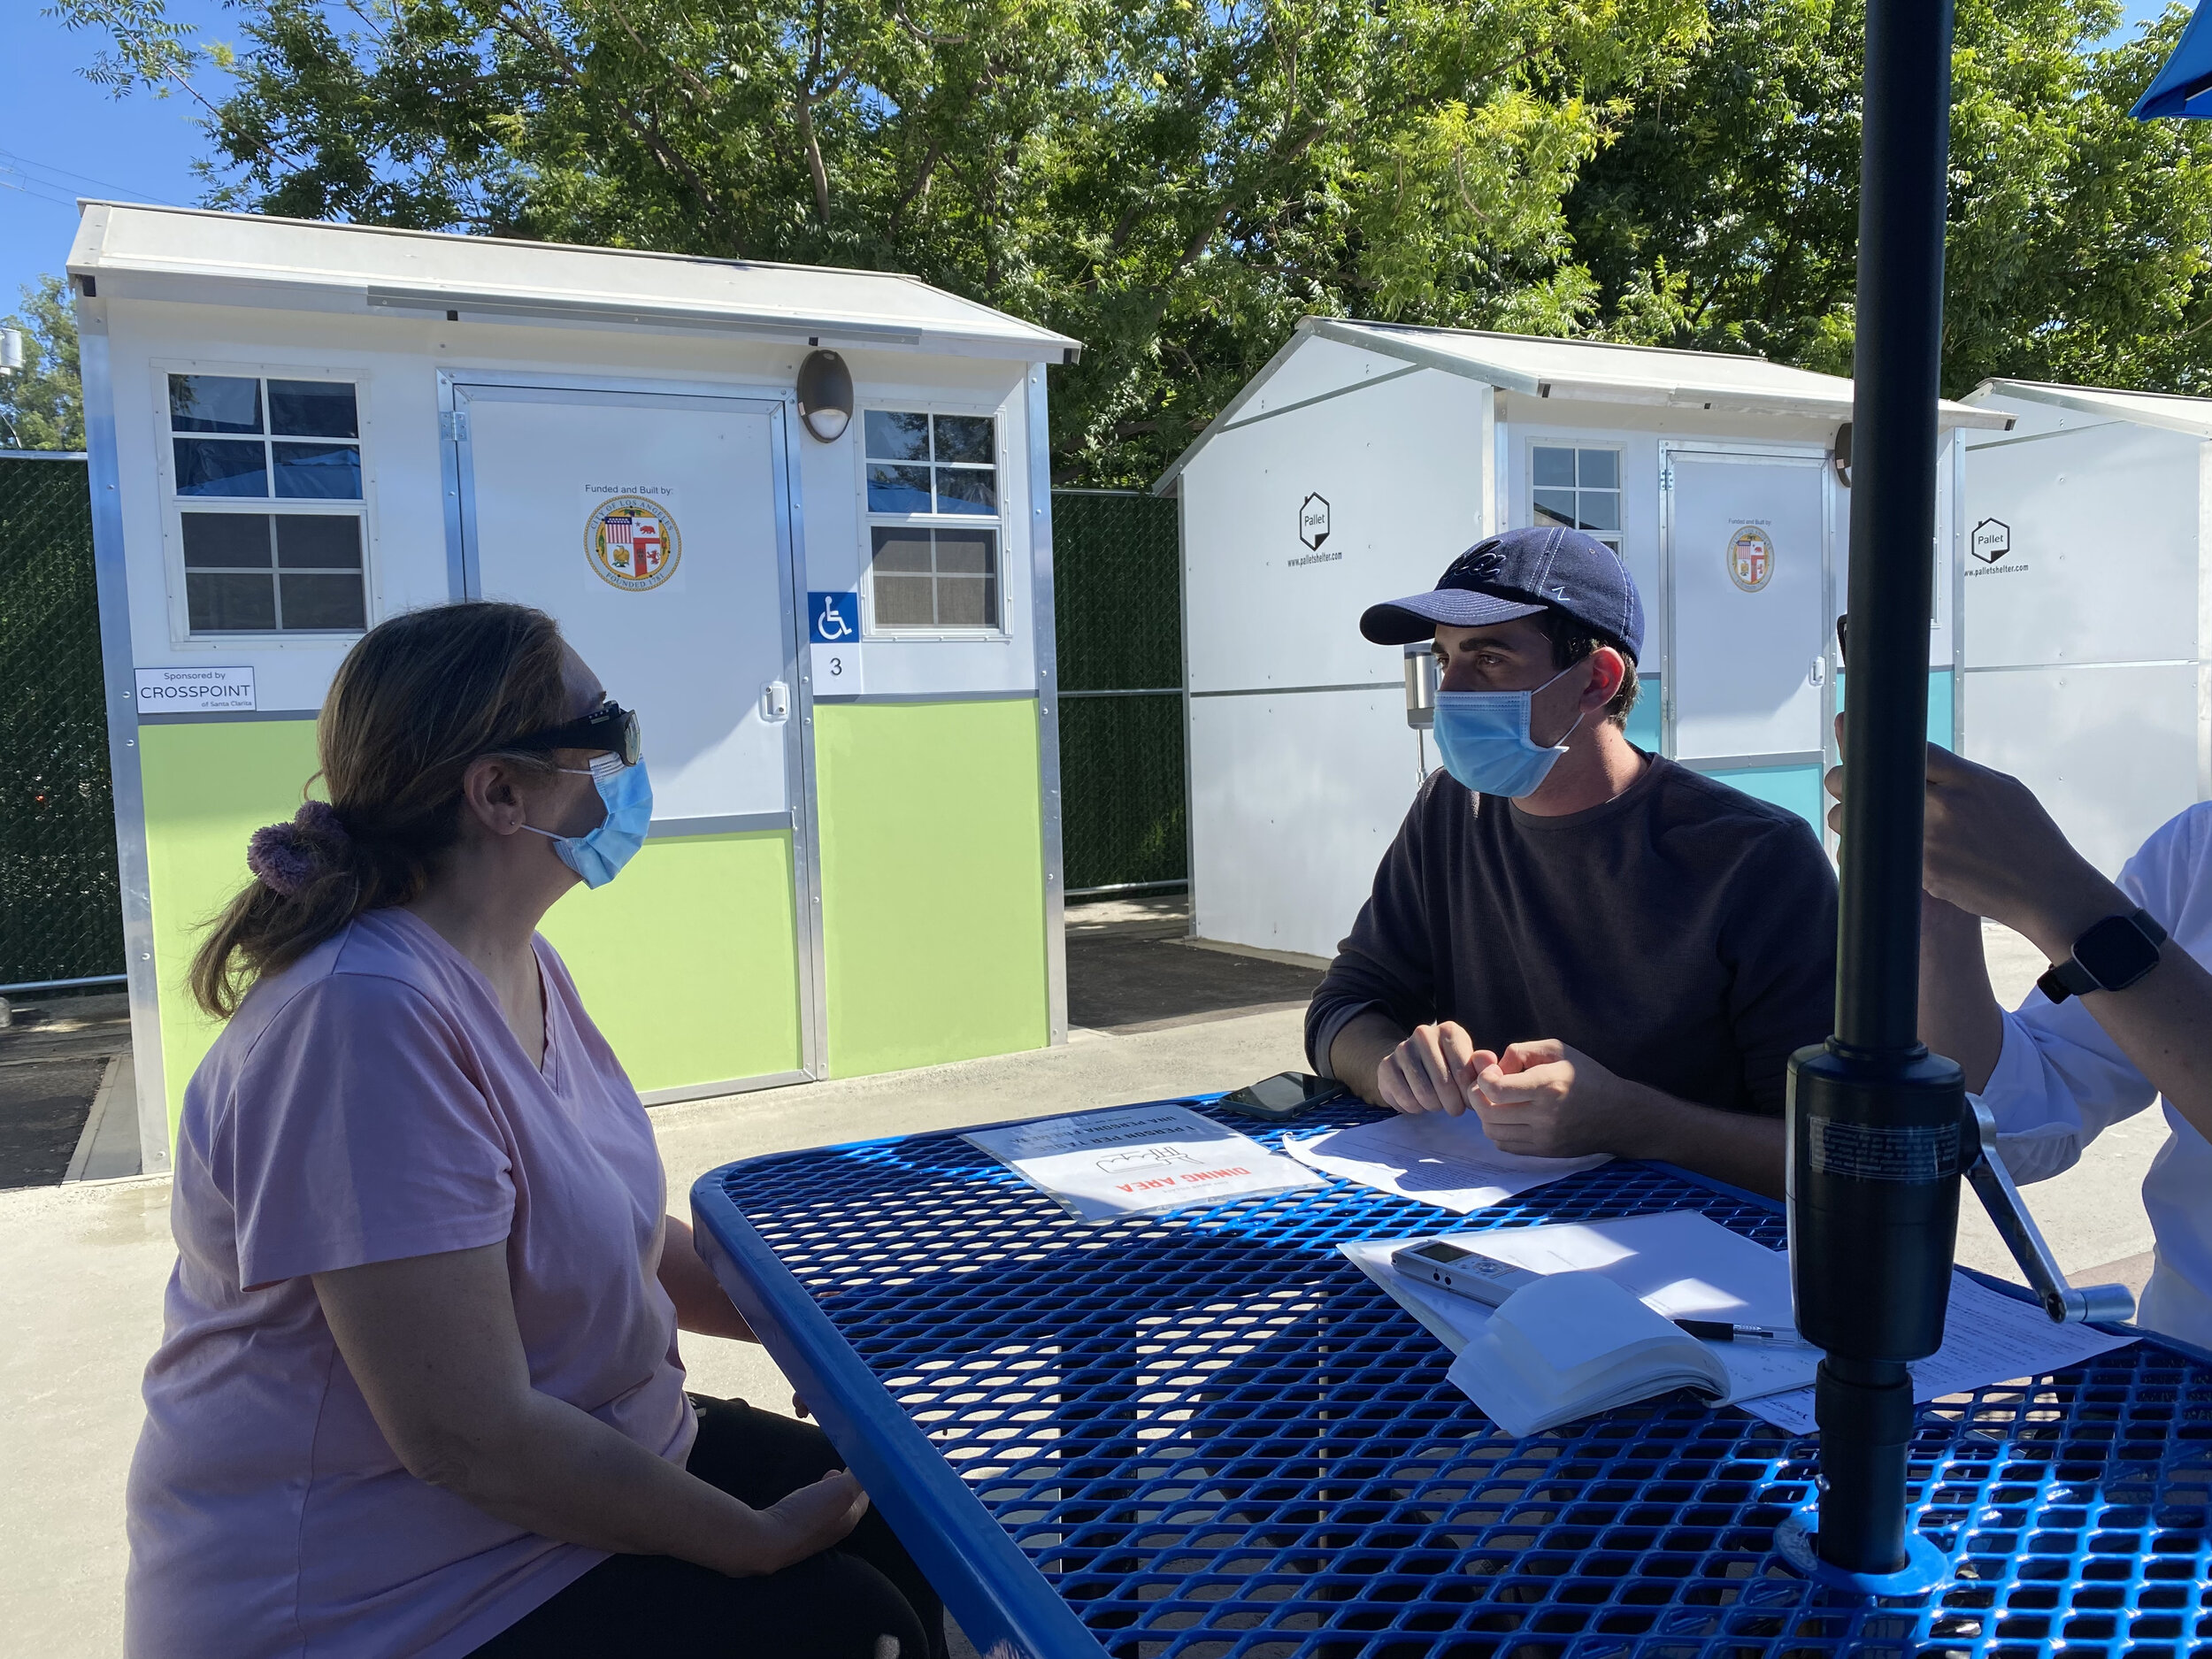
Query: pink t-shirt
(368, 1104)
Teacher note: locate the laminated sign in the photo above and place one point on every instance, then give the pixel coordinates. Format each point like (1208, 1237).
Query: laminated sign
(195, 690)
(630, 535)
(1139, 1161)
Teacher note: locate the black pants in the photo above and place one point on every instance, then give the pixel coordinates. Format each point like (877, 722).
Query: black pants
(836, 1605)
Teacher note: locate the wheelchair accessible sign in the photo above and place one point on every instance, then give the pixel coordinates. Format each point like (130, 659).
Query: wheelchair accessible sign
(833, 624)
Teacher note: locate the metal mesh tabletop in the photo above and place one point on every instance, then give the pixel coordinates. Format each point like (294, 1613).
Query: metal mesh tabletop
(1209, 1436)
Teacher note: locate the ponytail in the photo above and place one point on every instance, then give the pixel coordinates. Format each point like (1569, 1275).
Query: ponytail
(416, 700)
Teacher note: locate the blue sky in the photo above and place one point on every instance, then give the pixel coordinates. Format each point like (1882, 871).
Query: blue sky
(62, 137)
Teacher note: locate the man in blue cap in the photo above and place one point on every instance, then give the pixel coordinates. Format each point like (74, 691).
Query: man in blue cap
(1592, 947)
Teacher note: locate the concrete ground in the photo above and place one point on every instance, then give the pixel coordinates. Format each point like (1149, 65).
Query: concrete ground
(82, 1265)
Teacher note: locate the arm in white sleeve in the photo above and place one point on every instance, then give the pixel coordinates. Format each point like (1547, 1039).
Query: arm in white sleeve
(2062, 1080)
(2060, 1083)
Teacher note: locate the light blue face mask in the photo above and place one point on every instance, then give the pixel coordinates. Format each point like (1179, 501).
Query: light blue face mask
(599, 856)
(1483, 738)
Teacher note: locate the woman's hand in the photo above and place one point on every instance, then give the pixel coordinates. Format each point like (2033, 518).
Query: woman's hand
(432, 1342)
(805, 1523)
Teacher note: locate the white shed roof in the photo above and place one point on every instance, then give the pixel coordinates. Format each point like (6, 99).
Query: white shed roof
(2191, 415)
(1586, 370)
(135, 251)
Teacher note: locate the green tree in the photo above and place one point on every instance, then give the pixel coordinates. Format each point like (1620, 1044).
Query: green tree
(41, 407)
(1726, 216)
(1173, 183)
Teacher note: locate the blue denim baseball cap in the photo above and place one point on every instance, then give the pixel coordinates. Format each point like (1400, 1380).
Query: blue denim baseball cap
(1547, 567)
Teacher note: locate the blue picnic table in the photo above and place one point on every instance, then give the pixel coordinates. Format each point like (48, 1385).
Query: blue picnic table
(1207, 1435)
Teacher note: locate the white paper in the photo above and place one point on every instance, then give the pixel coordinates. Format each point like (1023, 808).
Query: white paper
(1440, 1160)
(1140, 1161)
(1684, 1264)
(1988, 1337)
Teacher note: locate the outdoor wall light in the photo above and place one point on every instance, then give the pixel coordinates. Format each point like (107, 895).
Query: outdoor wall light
(826, 395)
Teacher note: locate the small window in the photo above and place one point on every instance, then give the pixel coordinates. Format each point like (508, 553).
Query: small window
(238, 440)
(1579, 488)
(927, 571)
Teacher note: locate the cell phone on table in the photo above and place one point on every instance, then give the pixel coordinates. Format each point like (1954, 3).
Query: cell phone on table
(1284, 1096)
(1454, 1268)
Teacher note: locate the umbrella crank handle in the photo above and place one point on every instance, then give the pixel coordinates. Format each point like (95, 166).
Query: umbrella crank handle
(1993, 1182)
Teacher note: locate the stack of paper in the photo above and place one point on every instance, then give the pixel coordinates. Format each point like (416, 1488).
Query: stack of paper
(1140, 1161)
(1440, 1160)
(1988, 1337)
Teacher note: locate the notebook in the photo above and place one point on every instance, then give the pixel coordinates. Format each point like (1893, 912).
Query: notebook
(1572, 1344)
(1675, 1265)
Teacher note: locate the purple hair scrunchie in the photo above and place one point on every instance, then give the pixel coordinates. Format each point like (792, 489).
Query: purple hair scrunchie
(285, 857)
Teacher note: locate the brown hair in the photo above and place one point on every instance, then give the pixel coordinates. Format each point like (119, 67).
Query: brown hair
(415, 701)
(1572, 641)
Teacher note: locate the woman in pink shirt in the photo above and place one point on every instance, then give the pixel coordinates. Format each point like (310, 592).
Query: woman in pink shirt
(419, 1391)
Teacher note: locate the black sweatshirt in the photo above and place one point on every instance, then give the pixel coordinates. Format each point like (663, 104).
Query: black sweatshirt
(1683, 935)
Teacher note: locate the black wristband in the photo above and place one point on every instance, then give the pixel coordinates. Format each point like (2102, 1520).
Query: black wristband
(2110, 956)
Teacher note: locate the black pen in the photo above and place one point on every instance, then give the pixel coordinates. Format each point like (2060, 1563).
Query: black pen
(1721, 1331)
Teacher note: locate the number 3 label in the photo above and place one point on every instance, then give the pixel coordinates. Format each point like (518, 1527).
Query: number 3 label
(836, 671)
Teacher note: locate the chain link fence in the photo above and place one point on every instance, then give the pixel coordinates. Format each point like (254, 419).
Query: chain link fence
(1117, 591)
(60, 912)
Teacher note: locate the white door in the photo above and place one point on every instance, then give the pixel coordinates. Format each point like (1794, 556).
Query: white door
(1747, 556)
(653, 528)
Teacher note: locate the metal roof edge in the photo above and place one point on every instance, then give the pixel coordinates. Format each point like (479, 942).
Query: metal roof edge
(96, 261)
(1565, 339)
(1389, 339)
(2086, 400)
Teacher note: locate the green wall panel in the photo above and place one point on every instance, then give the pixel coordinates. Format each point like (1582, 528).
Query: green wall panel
(933, 882)
(207, 787)
(688, 961)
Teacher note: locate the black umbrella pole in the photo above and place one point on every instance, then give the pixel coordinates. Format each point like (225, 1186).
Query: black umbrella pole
(1874, 1119)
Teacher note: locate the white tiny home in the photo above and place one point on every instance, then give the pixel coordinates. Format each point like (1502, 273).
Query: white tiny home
(1365, 457)
(837, 629)
(2087, 620)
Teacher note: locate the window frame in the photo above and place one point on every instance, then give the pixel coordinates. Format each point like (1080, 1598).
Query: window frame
(1617, 540)
(174, 505)
(871, 521)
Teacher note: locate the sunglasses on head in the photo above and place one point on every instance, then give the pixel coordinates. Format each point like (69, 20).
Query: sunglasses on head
(609, 728)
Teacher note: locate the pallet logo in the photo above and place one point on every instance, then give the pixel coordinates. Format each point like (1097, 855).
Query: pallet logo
(1992, 541)
(1313, 521)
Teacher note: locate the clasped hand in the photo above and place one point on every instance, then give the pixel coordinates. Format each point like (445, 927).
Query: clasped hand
(1540, 1099)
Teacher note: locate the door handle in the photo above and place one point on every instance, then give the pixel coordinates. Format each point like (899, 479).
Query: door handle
(775, 702)
(1817, 674)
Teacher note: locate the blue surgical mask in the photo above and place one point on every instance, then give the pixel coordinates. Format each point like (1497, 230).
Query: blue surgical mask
(599, 856)
(1483, 738)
